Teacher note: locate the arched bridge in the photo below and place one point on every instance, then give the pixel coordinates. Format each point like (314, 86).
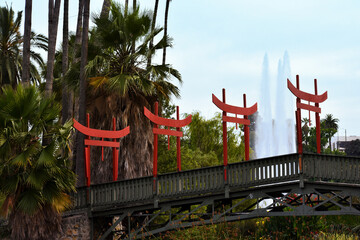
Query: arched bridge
(287, 185)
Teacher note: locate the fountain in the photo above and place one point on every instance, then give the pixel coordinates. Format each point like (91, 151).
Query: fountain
(275, 134)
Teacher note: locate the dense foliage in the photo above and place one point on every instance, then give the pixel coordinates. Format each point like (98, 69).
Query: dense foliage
(307, 227)
(328, 128)
(201, 145)
(11, 49)
(35, 180)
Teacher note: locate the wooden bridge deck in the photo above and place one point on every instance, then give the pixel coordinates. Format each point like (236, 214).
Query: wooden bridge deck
(205, 181)
(332, 179)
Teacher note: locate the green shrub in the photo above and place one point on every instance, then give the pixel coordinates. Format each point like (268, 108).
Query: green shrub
(290, 227)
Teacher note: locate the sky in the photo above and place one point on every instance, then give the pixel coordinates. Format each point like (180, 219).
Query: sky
(223, 45)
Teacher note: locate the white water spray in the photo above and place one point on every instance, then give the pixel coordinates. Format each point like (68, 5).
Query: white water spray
(264, 127)
(275, 134)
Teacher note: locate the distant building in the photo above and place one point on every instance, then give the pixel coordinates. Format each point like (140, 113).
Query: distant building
(342, 142)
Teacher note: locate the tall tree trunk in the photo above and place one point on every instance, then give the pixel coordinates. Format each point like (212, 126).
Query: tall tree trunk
(26, 46)
(52, 32)
(165, 28)
(79, 24)
(135, 155)
(82, 95)
(133, 43)
(66, 94)
(126, 6)
(76, 97)
(105, 8)
(44, 224)
(153, 23)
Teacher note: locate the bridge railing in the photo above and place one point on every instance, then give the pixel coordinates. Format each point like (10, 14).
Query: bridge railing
(119, 192)
(264, 171)
(203, 180)
(79, 199)
(313, 167)
(331, 167)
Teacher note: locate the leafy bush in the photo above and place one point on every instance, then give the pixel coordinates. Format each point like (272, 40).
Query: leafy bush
(35, 178)
(291, 227)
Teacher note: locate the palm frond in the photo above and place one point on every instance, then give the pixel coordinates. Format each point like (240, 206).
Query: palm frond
(29, 201)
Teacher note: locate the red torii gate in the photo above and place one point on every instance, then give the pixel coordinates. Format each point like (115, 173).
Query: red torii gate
(315, 98)
(226, 108)
(169, 123)
(90, 132)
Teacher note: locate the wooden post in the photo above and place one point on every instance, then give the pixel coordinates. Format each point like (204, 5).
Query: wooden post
(224, 139)
(178, 147)
(155, 146)
(298, 117)
(317, 119)
(299, 131)
(309, 115)
(168, 136)
(236, 124)
(246, 135)
(87, 155)
(115, 155)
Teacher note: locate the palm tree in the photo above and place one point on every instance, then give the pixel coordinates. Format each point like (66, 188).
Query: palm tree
(105, 8)
(27, 38)
(165, 28)
(330, 126)
(11, 52)
(121, 84)
(126, 6)
(10, 41)
(35, 180)
(66, 113)
(82, 94)
(79, 23)
(53, 19)
(153, 26)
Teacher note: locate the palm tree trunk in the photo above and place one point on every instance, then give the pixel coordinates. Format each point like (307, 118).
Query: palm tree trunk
(44, 224)
(66, 94)
(26, 46)
(105, 8)
(75, 105)
(82, 95)
(79, 24)
(165, 28)
(136, 149)
(52, 29)
(133, 43)
(152, 28)
(126, 7)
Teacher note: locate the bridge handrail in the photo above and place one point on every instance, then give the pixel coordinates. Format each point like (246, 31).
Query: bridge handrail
(264, 171)
(209, 180)
(331, 167)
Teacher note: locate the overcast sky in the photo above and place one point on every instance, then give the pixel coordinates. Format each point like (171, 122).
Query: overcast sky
(222, 45)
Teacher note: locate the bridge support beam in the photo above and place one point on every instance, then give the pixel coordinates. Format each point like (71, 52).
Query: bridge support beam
(290, 199)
